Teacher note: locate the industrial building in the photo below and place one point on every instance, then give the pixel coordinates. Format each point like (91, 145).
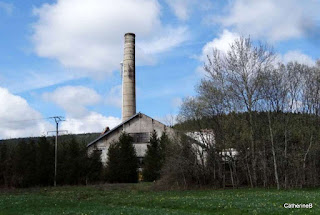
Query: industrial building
(138, 125)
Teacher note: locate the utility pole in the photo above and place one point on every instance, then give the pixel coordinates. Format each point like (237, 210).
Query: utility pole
(57, 119)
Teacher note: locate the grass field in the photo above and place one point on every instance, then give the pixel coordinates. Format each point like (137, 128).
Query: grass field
(142, 199)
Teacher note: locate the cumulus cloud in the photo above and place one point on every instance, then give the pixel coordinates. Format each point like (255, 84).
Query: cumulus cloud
(222, 43)
(272, 19)
(18, 119)
(297, 56)
(91, 122)
(181, 8)
(75, 100)
(89, 34)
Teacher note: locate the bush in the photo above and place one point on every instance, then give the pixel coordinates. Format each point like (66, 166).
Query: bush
(181, 167)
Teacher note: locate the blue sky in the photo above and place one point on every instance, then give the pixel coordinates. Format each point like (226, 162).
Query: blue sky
(62, 57)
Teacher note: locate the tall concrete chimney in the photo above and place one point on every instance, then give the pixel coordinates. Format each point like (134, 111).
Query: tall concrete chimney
(129, 77)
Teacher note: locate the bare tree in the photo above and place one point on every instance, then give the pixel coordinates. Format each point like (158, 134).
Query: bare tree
(275, 95)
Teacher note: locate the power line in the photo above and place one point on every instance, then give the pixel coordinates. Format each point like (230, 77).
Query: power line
(58, 131)
(45, 118)
(84, 119)
(25, 120)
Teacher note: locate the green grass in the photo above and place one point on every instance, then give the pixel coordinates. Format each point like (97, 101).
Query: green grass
(142, 199)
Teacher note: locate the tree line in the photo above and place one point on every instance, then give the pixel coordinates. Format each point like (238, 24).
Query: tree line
(30, 162)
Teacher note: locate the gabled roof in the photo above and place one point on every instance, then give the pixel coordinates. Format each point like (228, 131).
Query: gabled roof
(121, 124)
(115, 128)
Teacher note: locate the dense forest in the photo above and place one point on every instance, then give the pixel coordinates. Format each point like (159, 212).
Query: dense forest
(26, 162)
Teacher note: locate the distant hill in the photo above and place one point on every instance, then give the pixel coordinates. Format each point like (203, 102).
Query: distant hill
(80, 138)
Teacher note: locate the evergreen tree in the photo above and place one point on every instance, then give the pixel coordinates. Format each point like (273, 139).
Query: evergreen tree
(113, 163)
(122, 164)
(3, 162)
(164, 143)
(153, 160)
(62, 162)
(94, 167)
(73, 162)
(25, 164)
(45, 162)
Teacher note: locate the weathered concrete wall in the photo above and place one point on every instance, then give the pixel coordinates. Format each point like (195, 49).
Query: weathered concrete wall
(139, 124)
(128, 79)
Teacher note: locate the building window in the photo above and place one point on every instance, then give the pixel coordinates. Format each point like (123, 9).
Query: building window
(140, 137)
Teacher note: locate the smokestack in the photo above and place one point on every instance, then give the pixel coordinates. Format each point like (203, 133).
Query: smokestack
(129, 77)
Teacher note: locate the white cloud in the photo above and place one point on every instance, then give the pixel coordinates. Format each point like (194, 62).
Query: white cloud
(114, 97)
(33, 79)
(7, 7)
(89, 34)
(221, 43)
(173, 37)
(298, 57)
(18, 119)
(91, 122)
(75, 100)
(181, 8)
(272, 19)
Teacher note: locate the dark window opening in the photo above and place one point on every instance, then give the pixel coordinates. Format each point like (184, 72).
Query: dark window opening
(98, 151)
(140, 162)
(140, 137)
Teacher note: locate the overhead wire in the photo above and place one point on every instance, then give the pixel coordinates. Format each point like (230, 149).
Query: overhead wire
(26, 120)
(45, 118)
